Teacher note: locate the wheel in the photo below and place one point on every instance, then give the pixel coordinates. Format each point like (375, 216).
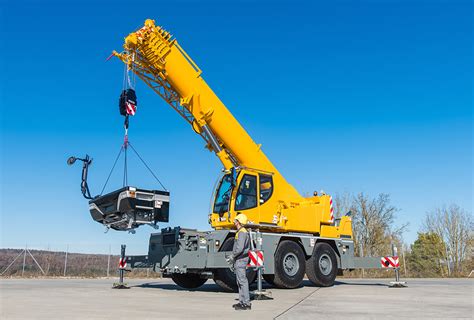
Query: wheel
(188, 280)
(269, 278)
(225, 278)
(289, 265)
(321, 267)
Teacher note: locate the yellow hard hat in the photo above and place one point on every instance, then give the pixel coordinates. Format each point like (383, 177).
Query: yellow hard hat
(241, 218)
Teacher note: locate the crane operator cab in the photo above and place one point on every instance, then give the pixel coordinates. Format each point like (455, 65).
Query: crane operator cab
(240, 191)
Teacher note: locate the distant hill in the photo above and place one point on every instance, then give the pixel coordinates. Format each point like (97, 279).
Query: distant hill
(52, 262)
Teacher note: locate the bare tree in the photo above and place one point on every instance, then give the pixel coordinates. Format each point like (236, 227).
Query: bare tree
(455, 226)
(342, 204)
(374, 223)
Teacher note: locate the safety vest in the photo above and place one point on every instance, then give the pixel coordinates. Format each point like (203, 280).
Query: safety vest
(242, 229)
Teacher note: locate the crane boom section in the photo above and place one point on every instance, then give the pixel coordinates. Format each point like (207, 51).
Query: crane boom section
(159, 61)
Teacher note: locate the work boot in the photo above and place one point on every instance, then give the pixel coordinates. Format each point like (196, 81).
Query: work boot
(243, 307)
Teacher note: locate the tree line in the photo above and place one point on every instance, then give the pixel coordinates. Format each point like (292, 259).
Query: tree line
(444, 246)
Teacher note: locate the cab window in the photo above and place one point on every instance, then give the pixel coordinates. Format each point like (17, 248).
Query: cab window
(247, 193)
(221, 203)
(266, 188)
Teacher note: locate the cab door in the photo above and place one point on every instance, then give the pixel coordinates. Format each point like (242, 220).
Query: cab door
(247, 199)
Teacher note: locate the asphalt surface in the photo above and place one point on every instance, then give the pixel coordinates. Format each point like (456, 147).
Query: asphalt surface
(161, 299)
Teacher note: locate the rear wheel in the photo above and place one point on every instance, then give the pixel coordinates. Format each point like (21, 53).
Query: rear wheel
(321, 267)
(188, 280)
(225, 278)
(289, 265)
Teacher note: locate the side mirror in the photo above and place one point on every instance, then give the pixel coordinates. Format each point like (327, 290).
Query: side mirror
(71, 160)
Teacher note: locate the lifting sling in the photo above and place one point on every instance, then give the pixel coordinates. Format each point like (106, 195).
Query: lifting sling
(128, 207)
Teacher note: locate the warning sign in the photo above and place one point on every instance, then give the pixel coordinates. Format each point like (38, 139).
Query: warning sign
(390, 262)
(256, 258)
(122, 263)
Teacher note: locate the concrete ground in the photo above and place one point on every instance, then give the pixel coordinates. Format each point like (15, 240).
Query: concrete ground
(161, 299)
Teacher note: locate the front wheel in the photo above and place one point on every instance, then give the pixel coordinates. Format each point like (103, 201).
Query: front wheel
(188, 280)
(225, 278)
(321, 267)
(289, 265)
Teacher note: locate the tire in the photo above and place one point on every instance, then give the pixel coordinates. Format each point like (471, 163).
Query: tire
(225, 278)
(321, 267)
(269, 278)
(188, 280)
(289, 265)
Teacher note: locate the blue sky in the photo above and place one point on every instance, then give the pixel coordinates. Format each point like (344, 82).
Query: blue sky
(347, 97)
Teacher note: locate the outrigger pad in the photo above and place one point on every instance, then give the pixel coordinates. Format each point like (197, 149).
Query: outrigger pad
(129, 207)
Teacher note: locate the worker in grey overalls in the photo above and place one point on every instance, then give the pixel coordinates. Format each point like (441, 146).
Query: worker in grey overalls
(240, 259)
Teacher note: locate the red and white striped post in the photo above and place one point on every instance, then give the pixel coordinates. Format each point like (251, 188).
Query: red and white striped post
(394, 262)
(395, 254)
(121, 266)
(257, 261)
(122, 263)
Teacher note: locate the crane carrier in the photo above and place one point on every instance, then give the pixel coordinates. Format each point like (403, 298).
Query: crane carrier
(299, 235)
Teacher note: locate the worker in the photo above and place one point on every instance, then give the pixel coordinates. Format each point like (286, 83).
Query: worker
(240, 260)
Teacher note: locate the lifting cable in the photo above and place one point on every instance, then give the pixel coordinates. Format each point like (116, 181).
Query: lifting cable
(111, 170)
(127, 104)
(151, 171)
(125, 166)
(123, 149)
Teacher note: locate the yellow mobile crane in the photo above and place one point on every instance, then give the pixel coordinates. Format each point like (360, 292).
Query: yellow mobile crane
(300, 234)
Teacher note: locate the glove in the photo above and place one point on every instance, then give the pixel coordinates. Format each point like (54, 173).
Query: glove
(230, 260)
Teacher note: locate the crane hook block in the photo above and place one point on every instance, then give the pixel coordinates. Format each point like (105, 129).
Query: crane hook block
(128, 102)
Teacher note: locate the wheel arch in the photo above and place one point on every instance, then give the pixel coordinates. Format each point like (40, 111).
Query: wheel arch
(297, 240)
(229, 235)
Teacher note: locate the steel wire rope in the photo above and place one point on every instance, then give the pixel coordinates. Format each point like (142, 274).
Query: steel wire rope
(151, 171)
(124, 80)
(113, 167)
(125, 169)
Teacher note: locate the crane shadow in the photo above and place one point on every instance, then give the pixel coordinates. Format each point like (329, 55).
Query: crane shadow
(209, 286)
(369, 284)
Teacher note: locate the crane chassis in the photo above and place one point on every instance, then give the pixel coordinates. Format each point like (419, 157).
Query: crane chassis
(191, 257)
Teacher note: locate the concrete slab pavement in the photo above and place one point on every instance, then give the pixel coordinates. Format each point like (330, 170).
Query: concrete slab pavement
(162, 299)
